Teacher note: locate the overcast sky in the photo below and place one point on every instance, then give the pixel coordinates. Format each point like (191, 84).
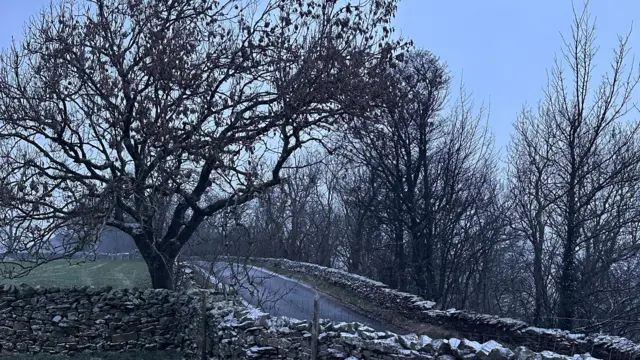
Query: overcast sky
(502, 48)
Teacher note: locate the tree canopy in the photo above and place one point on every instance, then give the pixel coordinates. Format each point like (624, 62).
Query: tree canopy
(110, 109)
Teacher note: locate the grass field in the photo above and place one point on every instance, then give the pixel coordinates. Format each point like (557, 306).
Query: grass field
(63, 273)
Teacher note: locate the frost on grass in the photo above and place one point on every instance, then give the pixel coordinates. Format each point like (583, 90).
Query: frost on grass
(66, 274)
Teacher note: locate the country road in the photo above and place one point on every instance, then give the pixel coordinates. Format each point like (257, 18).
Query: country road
(282, 296)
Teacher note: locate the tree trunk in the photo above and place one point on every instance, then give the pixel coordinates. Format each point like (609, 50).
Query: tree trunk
(538, 277)
(539, 284)
(567, 288)
(356, 250)
(161, 266)
(427, 198)
(428, 258)
(162, 273)
(400, 256)
(417, 259)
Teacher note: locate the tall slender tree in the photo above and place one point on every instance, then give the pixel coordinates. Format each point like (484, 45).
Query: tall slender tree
(576, 168)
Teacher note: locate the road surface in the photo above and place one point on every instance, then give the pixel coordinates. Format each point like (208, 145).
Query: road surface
(281, 296)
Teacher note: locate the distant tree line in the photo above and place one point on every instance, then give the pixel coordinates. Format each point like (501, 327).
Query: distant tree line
(415, 196)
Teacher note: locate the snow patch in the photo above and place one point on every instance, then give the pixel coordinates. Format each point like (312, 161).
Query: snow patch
(255, 314)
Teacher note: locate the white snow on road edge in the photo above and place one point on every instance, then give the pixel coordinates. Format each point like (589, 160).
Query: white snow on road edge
(327, 297)
(298, 282)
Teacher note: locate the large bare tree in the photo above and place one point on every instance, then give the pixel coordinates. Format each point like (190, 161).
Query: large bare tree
(109, 108)
(531, 203)
(435, 173)
(575, 181)
(394, 144)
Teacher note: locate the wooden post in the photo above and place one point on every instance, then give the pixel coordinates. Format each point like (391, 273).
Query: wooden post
(204, 326)
(315, 327)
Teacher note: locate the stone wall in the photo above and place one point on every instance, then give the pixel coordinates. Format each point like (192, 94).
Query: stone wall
(466, 323)
(380, 293)
(64, 321)
(61, 321)
(246, 333)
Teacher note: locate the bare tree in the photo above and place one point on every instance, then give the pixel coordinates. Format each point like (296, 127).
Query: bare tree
(109, 108)
(298, 219)
(465, 203)
(575, 176)
(394, 145)
(359, 194)
(435, 173)
(529, 189)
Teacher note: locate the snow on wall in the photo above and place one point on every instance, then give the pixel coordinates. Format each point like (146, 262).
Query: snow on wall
(243, 332)
(384, 296)
(467, 323)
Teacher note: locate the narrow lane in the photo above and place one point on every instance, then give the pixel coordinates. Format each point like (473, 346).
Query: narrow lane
(282, 296)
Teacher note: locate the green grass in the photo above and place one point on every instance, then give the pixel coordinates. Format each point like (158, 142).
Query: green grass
(64, 273)
(151, 355)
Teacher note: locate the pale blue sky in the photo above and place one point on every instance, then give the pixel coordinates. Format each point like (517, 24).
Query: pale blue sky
(502, 47)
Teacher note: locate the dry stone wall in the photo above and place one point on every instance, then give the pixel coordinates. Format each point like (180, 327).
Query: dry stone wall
(380, 293)
(467, 323)
(246, 333)
(65, 321)
(62, 321)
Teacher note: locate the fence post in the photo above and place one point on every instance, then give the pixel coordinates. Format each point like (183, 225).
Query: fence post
(315, 327)
(204, 326)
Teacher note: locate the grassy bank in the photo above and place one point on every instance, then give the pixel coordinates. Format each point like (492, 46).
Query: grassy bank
(64, 273)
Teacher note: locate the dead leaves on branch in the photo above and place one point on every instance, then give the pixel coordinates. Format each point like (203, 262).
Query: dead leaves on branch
(110, 104)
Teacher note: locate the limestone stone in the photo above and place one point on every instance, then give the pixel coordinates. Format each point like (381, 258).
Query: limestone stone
(68, 321)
